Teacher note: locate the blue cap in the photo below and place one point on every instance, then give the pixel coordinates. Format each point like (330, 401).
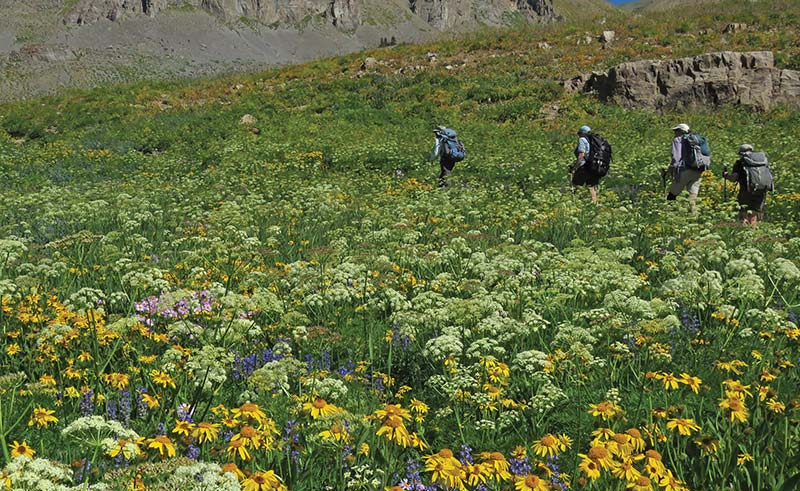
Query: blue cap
(584, 129)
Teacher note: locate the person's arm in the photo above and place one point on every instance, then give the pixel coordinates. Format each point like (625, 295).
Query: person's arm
(437, 148)
(677, 151)
(733, 175)
(582, 151)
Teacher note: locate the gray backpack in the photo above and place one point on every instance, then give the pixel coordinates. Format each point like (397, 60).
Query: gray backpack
(758, 176)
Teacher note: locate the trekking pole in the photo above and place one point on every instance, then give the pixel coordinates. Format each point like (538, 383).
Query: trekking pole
(724, 183)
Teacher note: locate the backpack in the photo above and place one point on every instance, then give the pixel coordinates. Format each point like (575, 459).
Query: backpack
(599, 158)
(698, 156)
(453, 148)
(758, 176)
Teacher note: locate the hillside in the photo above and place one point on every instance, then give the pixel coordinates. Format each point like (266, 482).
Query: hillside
(575, 10)
(252, 282)
(665, 5)
(49, 44)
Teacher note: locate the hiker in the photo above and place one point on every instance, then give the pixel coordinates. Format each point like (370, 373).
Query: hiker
(592, 159)
(755, 179)
(449, 149)
(690, 158)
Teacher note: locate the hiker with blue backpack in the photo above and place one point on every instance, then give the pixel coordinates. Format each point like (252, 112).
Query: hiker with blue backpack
(691, 156)
(449, 149)
(592, 161)
(755, 179)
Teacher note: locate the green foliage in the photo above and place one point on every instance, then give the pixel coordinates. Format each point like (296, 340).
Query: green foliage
(506, 303)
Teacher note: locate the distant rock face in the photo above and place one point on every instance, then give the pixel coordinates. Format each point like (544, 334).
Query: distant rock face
(343, 14)
(91, 11)
(446, 14)
(750, 79)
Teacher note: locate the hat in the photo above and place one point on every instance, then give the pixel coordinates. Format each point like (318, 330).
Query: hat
(584, 129)
(683, 127)
(746, 147)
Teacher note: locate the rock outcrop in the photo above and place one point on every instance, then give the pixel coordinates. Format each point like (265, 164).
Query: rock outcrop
(750, 79)
(343, 14)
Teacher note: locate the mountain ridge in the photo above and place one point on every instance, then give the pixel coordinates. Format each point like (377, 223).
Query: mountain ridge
(46, 45)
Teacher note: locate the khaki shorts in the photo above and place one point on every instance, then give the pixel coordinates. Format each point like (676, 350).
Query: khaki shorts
(687, 179)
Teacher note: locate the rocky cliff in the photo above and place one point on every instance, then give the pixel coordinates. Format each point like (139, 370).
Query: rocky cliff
(750, 79)
(340, 13)
(343, 14)
(446, 14)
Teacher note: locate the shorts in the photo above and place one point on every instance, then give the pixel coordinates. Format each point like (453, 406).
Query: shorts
(585, 177)
(751, 201)
(686, 179)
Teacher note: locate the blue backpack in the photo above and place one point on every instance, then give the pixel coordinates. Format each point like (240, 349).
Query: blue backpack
(698, 156)
(453, 148)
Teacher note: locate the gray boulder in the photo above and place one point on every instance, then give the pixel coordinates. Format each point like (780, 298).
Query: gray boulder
(750, 79)
(734, 27)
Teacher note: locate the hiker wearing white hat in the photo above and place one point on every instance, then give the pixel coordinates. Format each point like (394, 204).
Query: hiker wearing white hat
(688, 163)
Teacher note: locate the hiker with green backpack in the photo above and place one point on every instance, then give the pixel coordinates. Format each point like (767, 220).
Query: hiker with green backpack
(691, 156)
(755, 179)
(592, 161)
(449, 149)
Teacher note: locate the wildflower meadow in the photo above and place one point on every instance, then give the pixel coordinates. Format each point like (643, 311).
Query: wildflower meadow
(193, 303)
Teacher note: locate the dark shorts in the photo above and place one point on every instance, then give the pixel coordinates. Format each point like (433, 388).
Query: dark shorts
(585, 177)
(752, 201)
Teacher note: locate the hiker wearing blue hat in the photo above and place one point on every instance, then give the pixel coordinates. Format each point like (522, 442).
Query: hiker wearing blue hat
(592, 159)
(449, 150)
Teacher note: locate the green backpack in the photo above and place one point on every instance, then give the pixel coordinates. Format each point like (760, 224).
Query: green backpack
(758, 176)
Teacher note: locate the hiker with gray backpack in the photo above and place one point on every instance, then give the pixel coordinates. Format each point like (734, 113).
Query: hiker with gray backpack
(691, 156)
(449, 149)
(755, 179)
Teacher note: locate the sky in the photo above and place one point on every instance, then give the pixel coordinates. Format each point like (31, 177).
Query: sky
(617, 2)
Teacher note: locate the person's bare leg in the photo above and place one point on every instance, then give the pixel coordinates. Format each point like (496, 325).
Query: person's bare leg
(693, 202)
(593, 193)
